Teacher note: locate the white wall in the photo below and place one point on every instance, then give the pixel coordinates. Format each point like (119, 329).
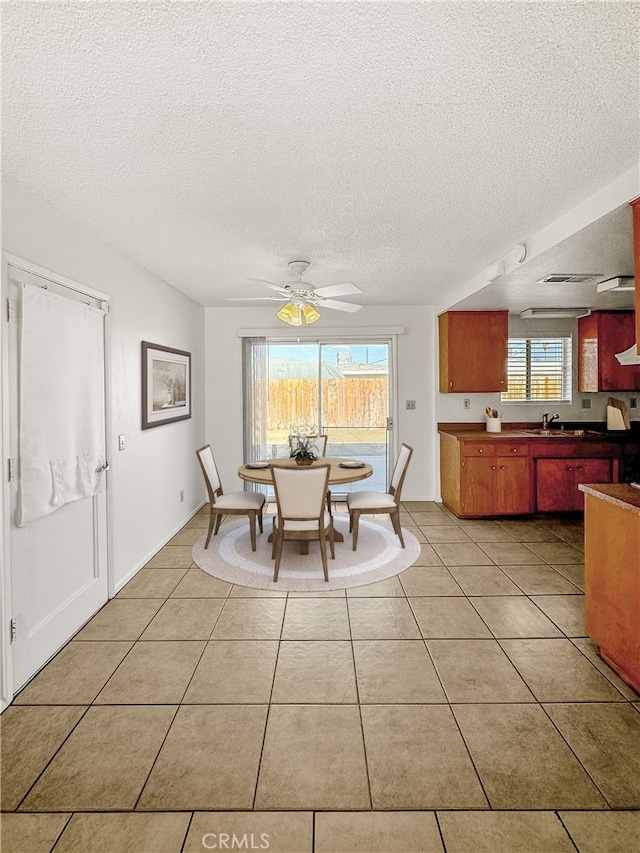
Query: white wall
(416, 370)
(147, 477)
(450, 406)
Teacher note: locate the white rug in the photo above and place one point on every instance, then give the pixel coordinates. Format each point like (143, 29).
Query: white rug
(379, 556)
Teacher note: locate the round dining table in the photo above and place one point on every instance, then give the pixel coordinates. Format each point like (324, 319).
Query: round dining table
(342, 471)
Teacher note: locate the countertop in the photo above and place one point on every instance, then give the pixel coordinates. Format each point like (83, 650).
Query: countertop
(620, 494)
(524, 431)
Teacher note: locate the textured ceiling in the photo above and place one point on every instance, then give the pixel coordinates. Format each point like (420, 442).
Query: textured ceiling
(403, 146)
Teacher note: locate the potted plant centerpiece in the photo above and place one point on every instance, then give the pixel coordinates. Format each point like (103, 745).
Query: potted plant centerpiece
(302, 447)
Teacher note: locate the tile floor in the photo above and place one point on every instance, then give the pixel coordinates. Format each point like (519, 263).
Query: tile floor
(458, 707)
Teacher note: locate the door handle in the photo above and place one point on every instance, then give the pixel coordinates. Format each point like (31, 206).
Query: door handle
(104, 467)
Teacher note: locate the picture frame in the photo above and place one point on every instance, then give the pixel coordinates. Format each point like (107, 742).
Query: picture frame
(166, 385)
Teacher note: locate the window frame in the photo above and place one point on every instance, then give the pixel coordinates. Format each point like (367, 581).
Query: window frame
(566, 372)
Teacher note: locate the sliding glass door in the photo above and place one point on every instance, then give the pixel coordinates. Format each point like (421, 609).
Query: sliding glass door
(339, 389)
(354, 405)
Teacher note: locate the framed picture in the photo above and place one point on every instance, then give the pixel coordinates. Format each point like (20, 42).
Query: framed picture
(166, 385)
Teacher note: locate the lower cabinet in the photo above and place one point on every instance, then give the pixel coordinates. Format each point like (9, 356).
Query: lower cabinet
(513, 475)
(495, 486)
(557, 482)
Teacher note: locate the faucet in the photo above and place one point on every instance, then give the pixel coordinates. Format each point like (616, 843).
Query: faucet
(547, 418)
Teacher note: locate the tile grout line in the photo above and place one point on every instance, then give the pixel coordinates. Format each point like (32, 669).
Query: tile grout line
(55, 753)
(186, 835)
(355, 676)
(204, 649)
(269, 704)
(61, 833)
(574, 753)
(605, 675)
(566, 828)
(155, 760)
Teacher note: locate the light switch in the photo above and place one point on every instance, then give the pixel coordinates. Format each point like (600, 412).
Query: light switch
(411, 404)
(121, 444)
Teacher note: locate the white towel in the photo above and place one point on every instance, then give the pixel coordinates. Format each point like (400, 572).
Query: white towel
(61, 415)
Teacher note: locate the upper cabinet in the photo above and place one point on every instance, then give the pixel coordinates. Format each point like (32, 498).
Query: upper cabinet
(473, 351)
(600, 336)
(635, 205)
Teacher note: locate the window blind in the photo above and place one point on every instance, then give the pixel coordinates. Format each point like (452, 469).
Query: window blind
(538, 369)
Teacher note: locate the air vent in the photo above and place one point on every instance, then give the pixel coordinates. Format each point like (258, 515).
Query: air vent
(568, 278)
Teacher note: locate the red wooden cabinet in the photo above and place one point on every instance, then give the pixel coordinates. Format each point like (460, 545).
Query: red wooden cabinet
(612, 578)
(495, 486)
(557, 481)
(513, 475)
(600, 336)
(473, 351)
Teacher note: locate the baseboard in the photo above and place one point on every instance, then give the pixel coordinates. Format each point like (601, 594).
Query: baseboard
(142, 563)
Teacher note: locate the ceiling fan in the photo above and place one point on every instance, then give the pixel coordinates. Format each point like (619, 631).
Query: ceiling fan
(302, 299)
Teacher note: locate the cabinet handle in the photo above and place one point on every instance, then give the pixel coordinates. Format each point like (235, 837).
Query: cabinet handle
(579, 467)
(481, 450)
(502, 467)
(493, 467)
(569, 468)
(514, 449)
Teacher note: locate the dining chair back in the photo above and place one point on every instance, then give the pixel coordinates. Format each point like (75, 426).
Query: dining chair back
(374, 503)
(301, 513)
(250, 504)
(321, 444)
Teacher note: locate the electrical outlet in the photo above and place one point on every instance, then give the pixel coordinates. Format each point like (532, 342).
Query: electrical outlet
(585, 403)
(411, 404)
(181, 495)
(121, 443)
(633, 402)
(466, 403)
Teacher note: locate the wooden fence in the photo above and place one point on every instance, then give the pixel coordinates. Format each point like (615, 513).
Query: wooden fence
(354, 401)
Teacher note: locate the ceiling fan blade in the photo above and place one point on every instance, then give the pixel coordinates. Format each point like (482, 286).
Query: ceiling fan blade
(338, 289)
(254, 299)
(351, 307)
(270, 284)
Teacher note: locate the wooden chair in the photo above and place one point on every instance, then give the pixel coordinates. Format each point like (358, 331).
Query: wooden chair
(301, 514)
(234, 503)
(321, 444)
(373, 503)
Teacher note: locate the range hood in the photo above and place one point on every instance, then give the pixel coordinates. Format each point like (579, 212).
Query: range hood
(619, 284)
(629, 356)
(622, 283)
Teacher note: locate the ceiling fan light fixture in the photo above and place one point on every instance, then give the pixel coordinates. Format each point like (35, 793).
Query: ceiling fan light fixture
(290, 314)
(296, 315)
(310, 314)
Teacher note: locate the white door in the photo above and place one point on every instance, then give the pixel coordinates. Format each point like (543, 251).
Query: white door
(58, 563)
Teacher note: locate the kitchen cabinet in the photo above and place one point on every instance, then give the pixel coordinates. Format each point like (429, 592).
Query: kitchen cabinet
(557, 481)
(495, 486)
(473, 351)
(612, 576)
(600, 336)
(513, 473)
(635, 206)
(485, 478)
